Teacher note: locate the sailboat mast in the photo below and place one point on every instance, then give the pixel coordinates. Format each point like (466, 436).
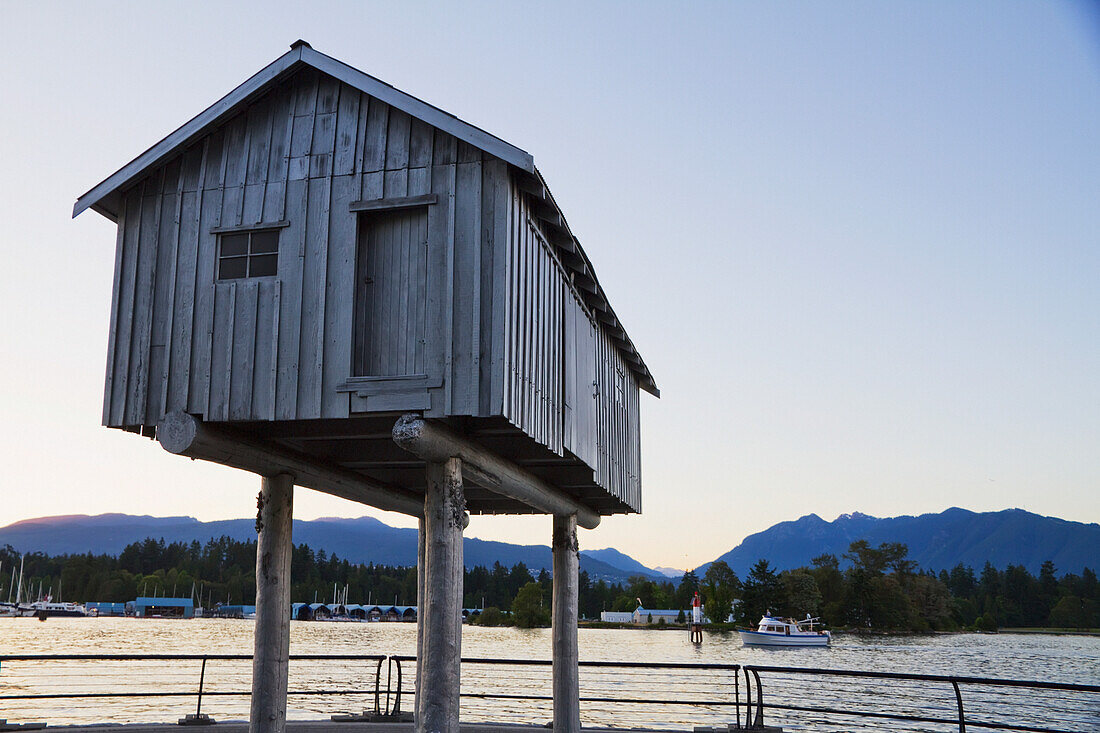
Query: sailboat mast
(19, 588)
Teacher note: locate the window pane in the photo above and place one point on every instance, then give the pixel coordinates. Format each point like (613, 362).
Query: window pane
(232, 267)
(263, 265)
(234, 244)
(265, 242)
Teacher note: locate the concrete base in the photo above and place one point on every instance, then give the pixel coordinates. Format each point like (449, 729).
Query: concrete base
(733, 728)
(200, 719)
(372, 717)
(325, 726)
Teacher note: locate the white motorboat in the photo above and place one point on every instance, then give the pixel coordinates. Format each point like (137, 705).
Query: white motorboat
(48, 608)
(772, 631)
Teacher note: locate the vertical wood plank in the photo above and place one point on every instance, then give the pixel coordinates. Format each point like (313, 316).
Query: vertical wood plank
(445, 150)
(276, 305)
(180, 375)
(116, 301)
(396, 183)
(374, 147)
(221, 352)
(180, 220)
(324, 128)
(441, 222)
(466, 303)
(420, 276)
(400, 325)
(279, 156)
(339, 297)
(243, 347)
(143, 304)
(421, 141)
(235, 169)
(260, 133)
(291, 257)
(314, 271)
(164, 291)
(347, 125)
(301, 141)
(198, 397)
(262, 387)
(397, 140)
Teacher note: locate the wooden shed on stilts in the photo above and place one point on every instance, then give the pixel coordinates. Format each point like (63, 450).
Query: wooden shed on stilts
(332, 284)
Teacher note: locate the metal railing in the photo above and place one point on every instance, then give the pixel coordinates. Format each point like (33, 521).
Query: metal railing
(110, 686)
(149, 687)
(889, 699)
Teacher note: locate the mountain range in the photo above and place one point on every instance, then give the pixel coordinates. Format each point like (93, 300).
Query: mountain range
(360, 540)
(935, 541)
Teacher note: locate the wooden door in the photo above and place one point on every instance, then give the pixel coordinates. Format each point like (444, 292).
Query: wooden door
(391, 294)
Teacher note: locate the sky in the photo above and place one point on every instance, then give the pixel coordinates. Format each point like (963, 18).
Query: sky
(858, 244)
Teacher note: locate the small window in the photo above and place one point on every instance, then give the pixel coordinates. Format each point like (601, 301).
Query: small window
(248, 254)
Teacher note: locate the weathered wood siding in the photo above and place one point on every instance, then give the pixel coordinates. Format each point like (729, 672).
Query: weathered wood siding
(277, 348)
(565, 383)
(468, 296)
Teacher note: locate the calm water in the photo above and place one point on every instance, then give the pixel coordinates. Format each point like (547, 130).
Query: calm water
(1028, 657)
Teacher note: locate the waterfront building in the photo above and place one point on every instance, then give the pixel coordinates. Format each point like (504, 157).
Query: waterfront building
(656, 615)
(330, 283)
(617, 617)
(144, 607)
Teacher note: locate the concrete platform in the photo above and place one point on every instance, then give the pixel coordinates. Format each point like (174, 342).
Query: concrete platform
(325, 726)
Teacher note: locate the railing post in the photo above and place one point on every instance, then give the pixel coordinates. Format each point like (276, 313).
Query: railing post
(378, 687)
(202, 679)
(759, 721)
(397, 696)
(959, 702)
(198, 718)
(748, 700)
(737, 696)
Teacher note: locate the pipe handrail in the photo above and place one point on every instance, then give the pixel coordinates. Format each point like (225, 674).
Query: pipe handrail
(722, 693)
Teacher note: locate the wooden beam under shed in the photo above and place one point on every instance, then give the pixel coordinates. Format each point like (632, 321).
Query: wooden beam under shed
(434, 441)
(186, 435)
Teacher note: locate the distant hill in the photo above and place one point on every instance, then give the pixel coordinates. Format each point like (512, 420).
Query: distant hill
(935, 541)
(358, 540)
(620, 561)
(674, 573)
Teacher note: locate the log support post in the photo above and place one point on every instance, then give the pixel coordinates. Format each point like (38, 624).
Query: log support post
(270, 662)
(420, 620)
(567, 708)
(440, 608)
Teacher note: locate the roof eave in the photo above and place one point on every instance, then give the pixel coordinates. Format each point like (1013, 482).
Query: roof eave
(420, 109)
(184, 134)
(645, 377)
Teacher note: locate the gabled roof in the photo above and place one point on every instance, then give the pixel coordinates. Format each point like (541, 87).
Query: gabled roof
(300, 55)
(103, 198)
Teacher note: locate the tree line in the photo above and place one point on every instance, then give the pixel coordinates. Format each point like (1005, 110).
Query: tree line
(880, 588)
(874, 588)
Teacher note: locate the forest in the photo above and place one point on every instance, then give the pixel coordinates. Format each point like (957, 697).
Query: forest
(868, 588)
